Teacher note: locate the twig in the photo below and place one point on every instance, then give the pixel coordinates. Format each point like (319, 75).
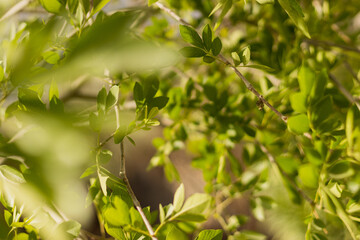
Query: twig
(344, 91)
(172, 14)
(316, 42)
(352, 72)
(122, 175)
(252, 89)
(226, 62)
(272, 160)
(15, 9)
(132, 195)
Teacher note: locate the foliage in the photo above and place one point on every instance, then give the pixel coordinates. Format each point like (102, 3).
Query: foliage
(278, 124)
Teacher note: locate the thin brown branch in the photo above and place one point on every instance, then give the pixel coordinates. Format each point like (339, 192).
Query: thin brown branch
(226, 62)
(351, 70)
(172, 14)
(290, 180)
(344, 91)
(132, 194)
(251, 88)
(328, 44)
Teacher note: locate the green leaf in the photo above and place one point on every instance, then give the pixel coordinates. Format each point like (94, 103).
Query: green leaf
(298, 102)
(309, 175)
(321, 111)
(217, 7)
(53, 91)
(176, 234)
(245, 55)
(138, 93)
(306, 78)
(216, 46)
(208, 59)
(264, 1)
(153, 112)
(236, 58)
(319, 85)
(99, 4)
(120, 134)
(159, 102)
(288, 164)
(341, 169)
(170, 172)
(104, 156)
(51, 57)
(335, 189)
(161, 213)
(117, 212)
(207, 37)
(195, 204)
(114, 231)
(101, 100)
(90, 170)
(179, 198)
(293, 9)
(30, 100)
(1, 74)
(8, 217)
(298, 124)
(151, 86)
(71, 227)
(150, 2)
(192, 52)
(210, 92)
(131, 140)
(210, 235)
(56, 105)
(191, 36)
(96, 121)
(103, 179)
(11, 174)
(112, 97)
(52, 6)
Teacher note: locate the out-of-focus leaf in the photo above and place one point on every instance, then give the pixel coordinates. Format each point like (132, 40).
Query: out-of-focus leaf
(151, 86)
(101, 100)
(293, 9)
(208, 59)
(306, 78)
(112, 97)
(117, 212)
(298, 102)
(341, 169)
(176, 234)
(150, 2)
(30, 99)
(52, 6)
(51, 57)
(71, 227)
(11, 174)
(179, 198)
(210, 235)
(98, 5)
(265, 1)
(245, 55)
(192, 52)
(236, 58)
(309, 175)
(298, 124)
